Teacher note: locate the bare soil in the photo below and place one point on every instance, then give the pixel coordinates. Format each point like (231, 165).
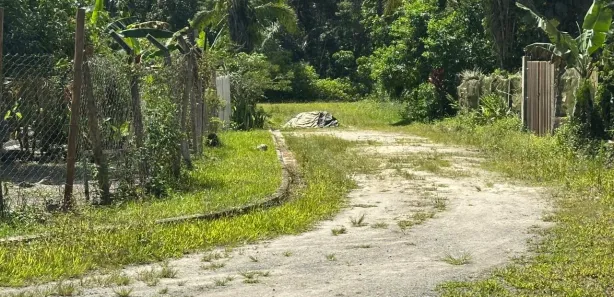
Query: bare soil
(421, 227)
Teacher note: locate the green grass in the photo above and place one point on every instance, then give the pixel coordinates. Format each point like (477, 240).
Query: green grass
(355, 115)
(226, 177)
(430, 162)
(326, 163)
(462, 259)
(123, 292)
(253, 277)
(339, 231)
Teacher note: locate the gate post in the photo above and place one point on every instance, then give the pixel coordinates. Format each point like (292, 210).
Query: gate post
(73, 133)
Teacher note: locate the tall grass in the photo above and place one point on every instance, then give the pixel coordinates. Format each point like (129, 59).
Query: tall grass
(76, 249)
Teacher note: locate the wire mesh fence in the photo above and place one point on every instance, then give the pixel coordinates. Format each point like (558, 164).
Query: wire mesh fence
(34, 117)
(140, 125)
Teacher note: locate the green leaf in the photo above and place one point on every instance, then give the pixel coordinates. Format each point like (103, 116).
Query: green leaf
(124, 129)
(18, 115)
(7, 115)
(564, 43)
(204, 18)
(98, 7)
(597, 22)
(202, 38)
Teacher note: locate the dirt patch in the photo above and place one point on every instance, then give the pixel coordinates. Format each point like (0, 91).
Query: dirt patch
(428, 217)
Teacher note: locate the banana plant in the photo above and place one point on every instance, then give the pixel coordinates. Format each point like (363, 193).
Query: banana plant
(129, 37)
(576, 53)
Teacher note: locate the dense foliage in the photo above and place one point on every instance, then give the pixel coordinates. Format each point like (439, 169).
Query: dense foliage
(336, 50)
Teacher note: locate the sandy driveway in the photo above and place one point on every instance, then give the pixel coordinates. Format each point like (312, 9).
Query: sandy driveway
(431, 215)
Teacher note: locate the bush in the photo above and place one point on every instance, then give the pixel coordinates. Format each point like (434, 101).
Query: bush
(425, 104)
(334, 90)
(494, 107)
(303, 82)
(585, 115)
(163, 139)
(400, 66)
(251, 75)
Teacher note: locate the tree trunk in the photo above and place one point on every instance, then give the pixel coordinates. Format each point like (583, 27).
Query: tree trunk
(2, 204)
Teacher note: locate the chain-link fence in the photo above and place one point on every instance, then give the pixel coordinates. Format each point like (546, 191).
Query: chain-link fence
(33, 127)
(139, 126)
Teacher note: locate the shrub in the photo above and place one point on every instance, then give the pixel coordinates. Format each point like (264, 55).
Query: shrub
(585, 115)
(425, 104)
(162, 141)
(494, 107)
(251, 75)
(303, 82)
(334, 89)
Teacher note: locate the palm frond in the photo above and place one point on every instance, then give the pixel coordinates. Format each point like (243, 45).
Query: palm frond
(278, 12)
(204, 18)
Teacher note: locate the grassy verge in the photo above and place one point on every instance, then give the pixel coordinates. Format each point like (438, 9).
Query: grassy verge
(574, 258)
(232, 175)
(75, 250)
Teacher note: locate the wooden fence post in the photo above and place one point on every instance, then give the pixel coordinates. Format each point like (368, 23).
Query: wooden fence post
(74, 111)
(1, 92)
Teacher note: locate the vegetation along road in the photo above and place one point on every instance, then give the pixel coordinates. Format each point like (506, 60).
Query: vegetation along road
(404, 215)
(143, 151)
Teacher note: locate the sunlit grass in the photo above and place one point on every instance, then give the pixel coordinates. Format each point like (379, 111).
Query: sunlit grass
(76, 249)
(362, 114)
(230, 176)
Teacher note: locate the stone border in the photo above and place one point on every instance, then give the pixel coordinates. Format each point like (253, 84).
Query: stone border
(289, 177)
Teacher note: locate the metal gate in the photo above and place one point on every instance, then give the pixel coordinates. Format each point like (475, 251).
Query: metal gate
(539, 97)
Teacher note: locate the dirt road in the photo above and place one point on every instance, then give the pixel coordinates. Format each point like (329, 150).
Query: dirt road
(429, 216)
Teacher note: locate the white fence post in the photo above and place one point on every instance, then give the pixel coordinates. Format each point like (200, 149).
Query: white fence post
(222, 84)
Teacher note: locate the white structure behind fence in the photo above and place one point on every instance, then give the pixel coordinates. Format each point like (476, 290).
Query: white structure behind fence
(222, 84)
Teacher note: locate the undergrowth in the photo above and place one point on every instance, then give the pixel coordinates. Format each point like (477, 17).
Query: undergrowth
(76, 249)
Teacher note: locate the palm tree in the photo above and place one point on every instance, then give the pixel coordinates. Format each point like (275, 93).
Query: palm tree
(246, 21)
(500, 22)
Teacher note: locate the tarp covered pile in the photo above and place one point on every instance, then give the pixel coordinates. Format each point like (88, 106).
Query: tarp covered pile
(314, 119)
